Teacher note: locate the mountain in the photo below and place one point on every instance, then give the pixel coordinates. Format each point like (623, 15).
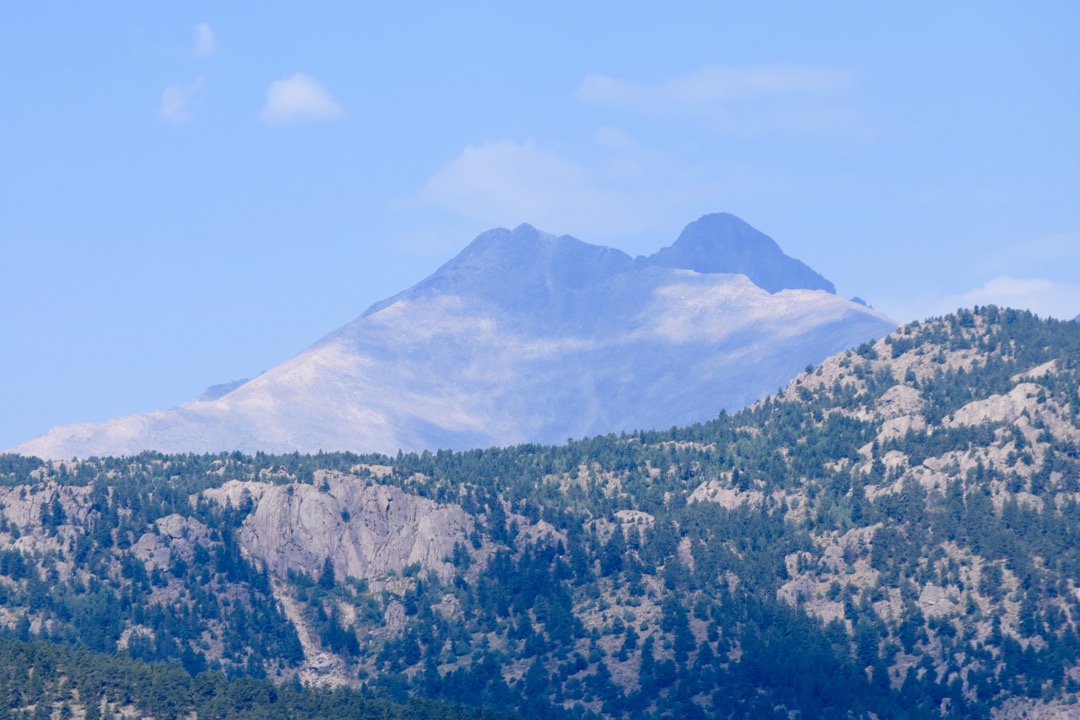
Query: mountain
(722, 243)
(215, 392)
(525, 337)
(894, 534)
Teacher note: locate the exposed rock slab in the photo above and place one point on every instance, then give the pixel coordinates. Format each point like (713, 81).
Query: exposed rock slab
(365, 529)
(999, 408)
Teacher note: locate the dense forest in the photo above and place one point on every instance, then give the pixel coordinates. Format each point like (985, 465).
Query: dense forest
(897, 533)
(41, 680)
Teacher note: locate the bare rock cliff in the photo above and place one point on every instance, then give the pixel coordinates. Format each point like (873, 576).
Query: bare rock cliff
(365, 529)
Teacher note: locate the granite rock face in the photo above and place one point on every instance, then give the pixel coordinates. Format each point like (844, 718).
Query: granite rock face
(365, 529)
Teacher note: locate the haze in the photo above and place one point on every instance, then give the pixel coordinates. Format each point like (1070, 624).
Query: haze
(193, 193)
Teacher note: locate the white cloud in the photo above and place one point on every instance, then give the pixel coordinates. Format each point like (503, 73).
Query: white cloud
(297, 98)
(504, 182)
(178, 102)
(205, 41)
(737, 99)
(1039, 295)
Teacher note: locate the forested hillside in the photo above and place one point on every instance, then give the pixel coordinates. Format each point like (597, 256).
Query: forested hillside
(897, 533)
(48, 680)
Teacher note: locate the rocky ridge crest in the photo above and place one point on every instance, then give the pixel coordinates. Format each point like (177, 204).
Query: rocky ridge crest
(524, 337)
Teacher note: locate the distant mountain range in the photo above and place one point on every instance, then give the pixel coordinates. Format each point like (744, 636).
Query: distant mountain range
(524, 337)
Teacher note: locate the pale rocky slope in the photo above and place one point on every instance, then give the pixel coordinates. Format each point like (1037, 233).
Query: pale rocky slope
(364, 529)
(896, 530)
(525, 337)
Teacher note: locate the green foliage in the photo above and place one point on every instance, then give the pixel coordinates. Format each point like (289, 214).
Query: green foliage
(40, 674)
(594, 586)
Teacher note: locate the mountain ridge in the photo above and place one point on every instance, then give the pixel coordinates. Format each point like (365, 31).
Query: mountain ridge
(521, 337)
(892, 534)
(723, 243)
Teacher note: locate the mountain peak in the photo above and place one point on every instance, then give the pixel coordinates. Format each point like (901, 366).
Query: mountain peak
(524, 336)
(523, 268)
(723, 243)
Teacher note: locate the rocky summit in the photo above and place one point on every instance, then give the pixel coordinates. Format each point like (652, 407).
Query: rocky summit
(525, 337)
(722, 243)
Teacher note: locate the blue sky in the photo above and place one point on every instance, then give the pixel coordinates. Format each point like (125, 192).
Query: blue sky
(192, 192)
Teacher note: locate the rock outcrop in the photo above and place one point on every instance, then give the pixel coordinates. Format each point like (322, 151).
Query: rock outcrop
(365, 529)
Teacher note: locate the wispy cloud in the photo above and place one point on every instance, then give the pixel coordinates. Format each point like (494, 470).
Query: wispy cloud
(1039, 274)
(178, 103)
(504, 182)
(205, 41)
(1039, 295)
(737, 99)
(298, 98)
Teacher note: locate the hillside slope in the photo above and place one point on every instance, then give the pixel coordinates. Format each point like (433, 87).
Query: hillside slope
(896, 534)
